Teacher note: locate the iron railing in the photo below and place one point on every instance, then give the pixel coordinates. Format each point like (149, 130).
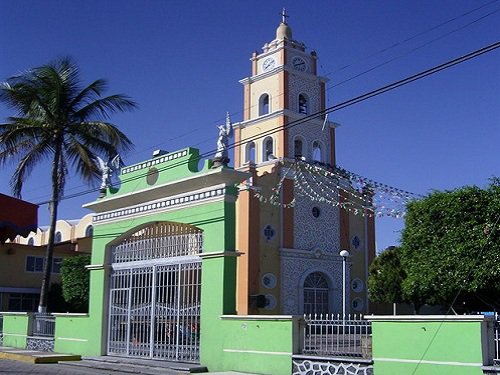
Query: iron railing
(331, 335)
(44, 325)
(496, 338)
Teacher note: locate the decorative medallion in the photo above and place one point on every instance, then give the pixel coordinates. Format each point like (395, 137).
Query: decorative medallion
(357, 285)
(357, 304)
(269, 232)
(269, 280)
(270, 302)
(356, 243)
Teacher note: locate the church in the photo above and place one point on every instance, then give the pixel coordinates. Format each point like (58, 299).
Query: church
(191, 256)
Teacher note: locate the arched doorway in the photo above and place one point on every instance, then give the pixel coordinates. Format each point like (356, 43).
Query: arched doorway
(154, 298)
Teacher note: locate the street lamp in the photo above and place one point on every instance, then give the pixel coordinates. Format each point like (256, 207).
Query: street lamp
(344, 254)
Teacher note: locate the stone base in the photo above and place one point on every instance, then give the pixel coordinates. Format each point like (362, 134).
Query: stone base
(220, 162)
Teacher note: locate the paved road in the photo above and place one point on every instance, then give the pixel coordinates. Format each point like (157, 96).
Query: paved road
(23, 368)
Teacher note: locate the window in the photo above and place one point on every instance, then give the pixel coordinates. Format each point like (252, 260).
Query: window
(264, 104)
(268, 149)
(298, 148)
(316, 294)
(89, 231)
(36, 264)
(303, 104)
(58, 237)
(31, 241)
(23, 302)
(250, 152)
(317, 151)
(56, 265)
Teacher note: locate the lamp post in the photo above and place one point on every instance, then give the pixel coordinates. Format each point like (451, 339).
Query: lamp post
(344, 254)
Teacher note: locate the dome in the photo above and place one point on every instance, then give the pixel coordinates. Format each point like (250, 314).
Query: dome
(283, 31)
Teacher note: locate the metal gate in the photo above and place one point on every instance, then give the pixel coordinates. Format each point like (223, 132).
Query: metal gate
(154, 308)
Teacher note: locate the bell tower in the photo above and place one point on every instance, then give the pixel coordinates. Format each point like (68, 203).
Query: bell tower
(280, 99)
(288, 242)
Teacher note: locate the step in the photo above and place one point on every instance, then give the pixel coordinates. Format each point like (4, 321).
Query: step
(137, 365)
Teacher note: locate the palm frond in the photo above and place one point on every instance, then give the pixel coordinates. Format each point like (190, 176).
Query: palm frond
(104, 107)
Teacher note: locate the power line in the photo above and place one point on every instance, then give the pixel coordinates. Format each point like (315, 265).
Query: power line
(322, 113)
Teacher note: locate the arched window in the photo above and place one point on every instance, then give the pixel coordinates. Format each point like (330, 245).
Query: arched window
(264, 104)
(268, 149)
(31, 241)
(58, 237)
(298, 147)
(317, 151)
(303, 104)
(89, 231)
(250, 152)
(316, 294)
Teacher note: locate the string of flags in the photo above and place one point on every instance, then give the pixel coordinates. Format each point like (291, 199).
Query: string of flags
(336, 186)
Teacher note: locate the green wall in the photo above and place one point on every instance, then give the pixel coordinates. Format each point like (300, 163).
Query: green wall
(256, 344)
(15, 329)
(428, 345)
(214, 216)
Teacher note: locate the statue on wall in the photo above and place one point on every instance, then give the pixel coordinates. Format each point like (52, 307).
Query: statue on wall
(107, 170)
(225, 131)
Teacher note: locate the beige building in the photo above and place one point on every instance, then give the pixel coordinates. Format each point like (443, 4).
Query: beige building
(22, 261)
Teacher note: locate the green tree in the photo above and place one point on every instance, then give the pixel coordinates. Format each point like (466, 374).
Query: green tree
(386, 276)
(451, 249)
(75, 282)
(58, 120)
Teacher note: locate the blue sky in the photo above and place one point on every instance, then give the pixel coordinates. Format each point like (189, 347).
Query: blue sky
(181, 61)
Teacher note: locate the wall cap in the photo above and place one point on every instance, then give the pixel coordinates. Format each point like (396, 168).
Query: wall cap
(333, 359)
(261, 317)
(71, 315)
(427, 318)
(15, 313)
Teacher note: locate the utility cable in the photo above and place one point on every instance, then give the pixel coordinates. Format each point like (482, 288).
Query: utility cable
(322, 113)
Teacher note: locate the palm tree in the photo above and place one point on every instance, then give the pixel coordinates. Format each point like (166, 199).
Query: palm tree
(57, 120)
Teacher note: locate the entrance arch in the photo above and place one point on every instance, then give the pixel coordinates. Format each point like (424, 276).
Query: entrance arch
(154, 296)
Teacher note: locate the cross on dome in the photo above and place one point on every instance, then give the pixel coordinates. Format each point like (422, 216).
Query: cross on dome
(284, 16)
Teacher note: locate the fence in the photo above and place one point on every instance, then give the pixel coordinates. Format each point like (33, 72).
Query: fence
(496, 335)
(330, 335)
(44, 325)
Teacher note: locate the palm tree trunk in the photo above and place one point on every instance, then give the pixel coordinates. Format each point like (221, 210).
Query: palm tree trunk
(54, 203)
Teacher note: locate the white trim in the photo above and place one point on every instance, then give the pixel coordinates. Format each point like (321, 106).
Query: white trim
(427, 318)
(261, 317)
(418, 361)
(256, 352)
(71, 339)
(14, 334)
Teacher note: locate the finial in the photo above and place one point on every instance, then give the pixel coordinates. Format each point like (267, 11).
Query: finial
(284, 16)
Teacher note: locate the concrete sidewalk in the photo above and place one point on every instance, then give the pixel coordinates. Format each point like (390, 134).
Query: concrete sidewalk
(30, 362)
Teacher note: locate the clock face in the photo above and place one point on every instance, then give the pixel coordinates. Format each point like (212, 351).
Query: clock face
(299, 63)
(268, 64)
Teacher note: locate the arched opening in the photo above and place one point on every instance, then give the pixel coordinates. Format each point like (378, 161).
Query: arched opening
(89, 231)
(268, 149)
(155, 293)
(250, 152)
(298, 147)
(316, 299)
(316, 151)
(264, 104)
(58, 237)
(303, 104)
(31, 241)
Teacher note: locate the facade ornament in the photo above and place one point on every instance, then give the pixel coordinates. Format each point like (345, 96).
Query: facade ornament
(107, 169)
(225, 131)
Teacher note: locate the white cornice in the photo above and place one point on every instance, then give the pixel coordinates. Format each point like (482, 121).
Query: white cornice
(197, 181)
(279, 69)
